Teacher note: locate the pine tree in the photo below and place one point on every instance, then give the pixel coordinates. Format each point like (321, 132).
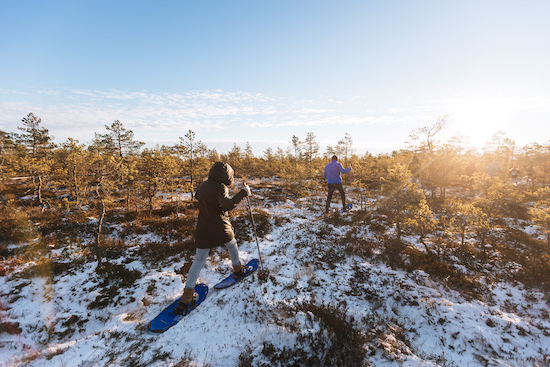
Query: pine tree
(405, 205)
(156, 168)
(37, 159)
(250, 167)
(113, 168)
(311, 149)
(103, 170)
(541, 212)
(269, 163)
(426, 147)
(297, 145)
(536, 164)
(344, 147)
(7, 155)
(73, 163)
(460, 217)
(119, 141)
(191, 150)
(120, 144)
(235, 157)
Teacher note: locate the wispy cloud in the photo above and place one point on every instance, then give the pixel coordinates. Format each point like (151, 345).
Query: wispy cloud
(195, 110)
(222, 115)
(160, 118)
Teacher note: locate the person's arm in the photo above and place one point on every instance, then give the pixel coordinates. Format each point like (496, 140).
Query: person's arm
(342, 169)
(228, 203)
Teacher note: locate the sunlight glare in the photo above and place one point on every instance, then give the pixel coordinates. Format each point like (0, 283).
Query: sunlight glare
(479, 117)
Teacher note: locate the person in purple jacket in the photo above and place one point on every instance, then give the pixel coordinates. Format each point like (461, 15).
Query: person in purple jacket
(332, 174)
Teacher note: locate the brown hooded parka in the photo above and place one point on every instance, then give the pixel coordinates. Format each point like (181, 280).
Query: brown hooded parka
(213, 225)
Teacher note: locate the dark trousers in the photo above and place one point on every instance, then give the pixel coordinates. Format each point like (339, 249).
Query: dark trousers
(331, 188)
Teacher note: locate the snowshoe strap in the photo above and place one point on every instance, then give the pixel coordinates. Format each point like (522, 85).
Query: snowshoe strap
(183, 309)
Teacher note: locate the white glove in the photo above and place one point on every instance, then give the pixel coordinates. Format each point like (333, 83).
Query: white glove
(247, 189)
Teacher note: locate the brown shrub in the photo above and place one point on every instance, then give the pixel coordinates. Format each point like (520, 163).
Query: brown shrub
(440, 269)
(15, 227)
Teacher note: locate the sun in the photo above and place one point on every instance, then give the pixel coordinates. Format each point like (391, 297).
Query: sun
(480, 116)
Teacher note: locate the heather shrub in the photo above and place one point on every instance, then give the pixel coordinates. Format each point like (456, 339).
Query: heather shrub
(15, 227)
(337, 341)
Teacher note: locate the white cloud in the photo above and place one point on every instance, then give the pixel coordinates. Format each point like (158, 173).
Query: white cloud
(163, 117)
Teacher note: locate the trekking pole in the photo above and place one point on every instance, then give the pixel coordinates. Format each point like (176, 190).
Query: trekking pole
(255, 235)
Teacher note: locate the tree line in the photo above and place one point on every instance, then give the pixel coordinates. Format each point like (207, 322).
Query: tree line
(116, 164)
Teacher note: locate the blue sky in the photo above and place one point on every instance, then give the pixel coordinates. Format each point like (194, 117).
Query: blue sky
(262, 71)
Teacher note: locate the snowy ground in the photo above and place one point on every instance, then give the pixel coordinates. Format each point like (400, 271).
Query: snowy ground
(406, 319)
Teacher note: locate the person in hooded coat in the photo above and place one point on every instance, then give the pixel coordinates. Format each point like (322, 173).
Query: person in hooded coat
(213, 225)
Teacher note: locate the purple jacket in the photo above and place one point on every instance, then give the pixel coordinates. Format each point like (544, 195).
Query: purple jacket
(332, 172)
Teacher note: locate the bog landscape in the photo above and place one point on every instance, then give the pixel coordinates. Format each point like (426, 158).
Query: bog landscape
(440, 262)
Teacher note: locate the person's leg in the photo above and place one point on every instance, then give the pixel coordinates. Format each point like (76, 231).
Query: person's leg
(233, 251)
(198, 263)
(192, 276)
(329, 197)
(340, 188)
